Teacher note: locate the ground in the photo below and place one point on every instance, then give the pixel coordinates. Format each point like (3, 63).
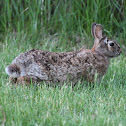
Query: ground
(84, 104)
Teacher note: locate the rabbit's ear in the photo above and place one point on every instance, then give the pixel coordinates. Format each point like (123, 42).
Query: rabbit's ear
(98, 31)
(93, 28)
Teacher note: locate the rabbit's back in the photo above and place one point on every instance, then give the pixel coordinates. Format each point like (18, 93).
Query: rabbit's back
(43, 65)
(57, 67)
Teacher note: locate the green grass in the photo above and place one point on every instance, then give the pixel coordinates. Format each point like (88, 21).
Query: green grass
(62, 16)
(60, 26)
(103, 104)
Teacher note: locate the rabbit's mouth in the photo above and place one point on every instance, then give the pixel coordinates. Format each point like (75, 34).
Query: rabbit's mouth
(113, 56)
(118, 53)
(119, 50)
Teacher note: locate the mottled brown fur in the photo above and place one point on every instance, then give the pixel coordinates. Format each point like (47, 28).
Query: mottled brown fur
(59, 67)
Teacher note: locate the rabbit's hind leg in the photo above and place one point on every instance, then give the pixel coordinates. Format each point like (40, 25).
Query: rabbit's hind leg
(24, 80)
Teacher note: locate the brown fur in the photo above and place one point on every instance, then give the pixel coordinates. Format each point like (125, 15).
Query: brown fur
(59, 67)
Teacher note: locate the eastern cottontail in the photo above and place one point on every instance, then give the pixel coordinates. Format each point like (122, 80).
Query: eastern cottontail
(54, 67)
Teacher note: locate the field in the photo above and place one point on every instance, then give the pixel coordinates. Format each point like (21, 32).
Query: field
(62, 27)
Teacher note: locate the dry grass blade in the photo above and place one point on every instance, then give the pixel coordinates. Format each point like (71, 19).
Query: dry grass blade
(4, 119)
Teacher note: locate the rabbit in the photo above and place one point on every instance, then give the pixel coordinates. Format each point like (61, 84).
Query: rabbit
(38, 65)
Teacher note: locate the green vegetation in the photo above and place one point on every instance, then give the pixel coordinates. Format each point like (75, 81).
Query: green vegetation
(61, 25)
(62, 16)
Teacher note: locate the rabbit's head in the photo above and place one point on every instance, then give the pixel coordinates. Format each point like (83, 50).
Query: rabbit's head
(13, 70)
(102, 44)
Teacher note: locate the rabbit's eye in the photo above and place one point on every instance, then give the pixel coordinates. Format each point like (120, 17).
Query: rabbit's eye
(111, 44)
(12, 70)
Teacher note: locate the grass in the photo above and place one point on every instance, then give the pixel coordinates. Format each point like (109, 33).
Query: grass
(65, 106)
(60, 26)
(64, 16)
(103, 104)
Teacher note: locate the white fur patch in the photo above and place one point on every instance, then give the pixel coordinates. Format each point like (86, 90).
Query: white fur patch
(105, 40)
